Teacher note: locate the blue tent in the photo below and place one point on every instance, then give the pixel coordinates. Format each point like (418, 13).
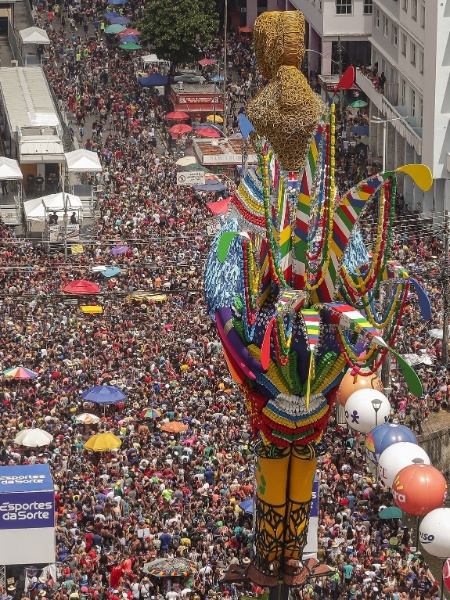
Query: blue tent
(117, 1)
(103, 394)
(153, 80)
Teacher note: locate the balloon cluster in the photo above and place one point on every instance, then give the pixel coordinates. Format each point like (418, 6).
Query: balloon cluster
(418, 488)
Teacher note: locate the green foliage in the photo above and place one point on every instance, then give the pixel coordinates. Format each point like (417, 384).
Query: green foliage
(177, 29)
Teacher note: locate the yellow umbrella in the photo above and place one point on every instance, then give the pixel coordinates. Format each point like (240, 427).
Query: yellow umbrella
(214, 119)
(102, 442)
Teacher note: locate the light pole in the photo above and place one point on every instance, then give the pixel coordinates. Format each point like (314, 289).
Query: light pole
(376, 404)
(65, 221)
(384, 122)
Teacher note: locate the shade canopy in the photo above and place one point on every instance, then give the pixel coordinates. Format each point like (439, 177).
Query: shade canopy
(87, 419)
(9, 169)
(83, 161)
(129, 31)
(174, 427)
(220, 207)
(130, 46)
(34, 35)
(19, 373)
(115, 28)
(36, 209)
(119, 20)
(129, 39)
(184, 161)
(177, 115)
(81, 287)
(104, 394)
(207, 132)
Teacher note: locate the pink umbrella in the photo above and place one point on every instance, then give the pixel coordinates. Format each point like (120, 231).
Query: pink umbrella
(180, 128)
(206, 62)
(207, 132)
(129, 31)
(81, 287)
(177, 115)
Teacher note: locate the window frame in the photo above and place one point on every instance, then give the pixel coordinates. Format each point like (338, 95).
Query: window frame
(404, 43)
(342, 7)
(412, 53)
(394, 35)
(368, 7)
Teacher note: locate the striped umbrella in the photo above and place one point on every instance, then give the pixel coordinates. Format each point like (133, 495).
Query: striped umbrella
(19, 373)
(150, 413)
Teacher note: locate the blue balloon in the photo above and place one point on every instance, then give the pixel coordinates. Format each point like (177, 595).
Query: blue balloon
(386, 435)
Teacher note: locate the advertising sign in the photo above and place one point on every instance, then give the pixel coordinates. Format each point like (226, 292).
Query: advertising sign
(58, 232)
(27, 515)
(310, 550)
(191, 178)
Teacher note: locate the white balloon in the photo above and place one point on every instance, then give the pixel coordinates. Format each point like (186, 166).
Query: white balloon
(397, 457)
(434, 532)
(360, 412)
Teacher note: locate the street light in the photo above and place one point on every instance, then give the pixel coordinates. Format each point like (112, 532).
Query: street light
(376, 403)
(384, 122)
(65, 221)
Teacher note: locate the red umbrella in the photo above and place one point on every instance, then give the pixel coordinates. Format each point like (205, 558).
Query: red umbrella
(81, 287)
(180, 128)
(129, 31)
(206, 62)
(177, 115)
(207, 132)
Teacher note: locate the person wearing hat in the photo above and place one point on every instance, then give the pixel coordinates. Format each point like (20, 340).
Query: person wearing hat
(11, 592)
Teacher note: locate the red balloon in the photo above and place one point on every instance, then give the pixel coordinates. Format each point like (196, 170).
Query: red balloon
(419, 489)
(446, 574)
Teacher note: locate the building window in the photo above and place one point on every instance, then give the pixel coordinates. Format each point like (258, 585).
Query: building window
(377, 18)
(385, 26)
(421, 111)
(403, 93)
(405, 5)
(395, 35)
(414, 10)
(320, 4)
(413, 53)
(344, 7)
(404, 40)
(421, 61)
(422, 16)
(412, 112)
(368, 7)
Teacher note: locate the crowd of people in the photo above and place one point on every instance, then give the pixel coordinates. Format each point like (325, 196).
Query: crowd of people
(162, 494)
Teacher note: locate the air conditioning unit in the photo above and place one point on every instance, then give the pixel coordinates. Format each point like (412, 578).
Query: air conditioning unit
(180, 86)
(14, 63)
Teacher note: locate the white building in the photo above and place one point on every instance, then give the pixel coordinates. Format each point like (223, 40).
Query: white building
(410, 43)
(338, 31)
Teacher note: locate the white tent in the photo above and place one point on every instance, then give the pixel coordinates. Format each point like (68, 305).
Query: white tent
(9, 169)
(151, 58)
(83, 161)
(34, 35)
(36, 209)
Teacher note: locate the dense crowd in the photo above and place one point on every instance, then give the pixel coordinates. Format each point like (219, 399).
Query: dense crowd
(164, 495)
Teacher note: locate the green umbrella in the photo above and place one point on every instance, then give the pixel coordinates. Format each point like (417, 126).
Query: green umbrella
(115, 28)
(391, 512)
(358, 104)
(130, 46)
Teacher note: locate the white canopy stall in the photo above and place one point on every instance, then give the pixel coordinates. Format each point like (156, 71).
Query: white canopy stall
(11, 209)
(32, 38)
(36, 210)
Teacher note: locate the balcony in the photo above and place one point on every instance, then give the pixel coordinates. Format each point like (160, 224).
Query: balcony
(386, 106)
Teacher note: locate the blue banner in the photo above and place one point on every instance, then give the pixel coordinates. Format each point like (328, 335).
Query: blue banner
(27, 510)
(26, 478)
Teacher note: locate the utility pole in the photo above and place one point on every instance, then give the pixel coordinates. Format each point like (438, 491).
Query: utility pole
(225, 66)
(341, 91)
(445, 291)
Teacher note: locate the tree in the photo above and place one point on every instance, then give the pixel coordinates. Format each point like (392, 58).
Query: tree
(178, 29)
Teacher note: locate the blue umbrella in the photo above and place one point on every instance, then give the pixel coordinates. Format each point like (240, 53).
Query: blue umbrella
(217, 78)
(129, 38)
(248, 506)
(111, 15)
(360, 129)
(117, 1)
(103, 394)
(111, 272)
(217, 126)
(153, 80)
(119, 20)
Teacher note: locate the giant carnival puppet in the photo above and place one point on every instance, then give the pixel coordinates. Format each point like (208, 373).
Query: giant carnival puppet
(296, 295)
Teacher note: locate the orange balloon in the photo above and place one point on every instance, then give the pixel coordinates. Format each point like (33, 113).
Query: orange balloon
(418, 489)
(352, 383)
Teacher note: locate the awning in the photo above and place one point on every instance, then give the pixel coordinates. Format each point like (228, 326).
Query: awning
(83, 161)
(9, 169)
(34, 35)
(32, 152)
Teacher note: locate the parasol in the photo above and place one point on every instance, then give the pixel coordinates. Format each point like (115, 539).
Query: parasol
(180, 128)
(103, 442)
(214, 119)
(170, 567)
(87, 419)
(19, 373)
(130, 46)
(205, 62)
(118, 250)
(81, 287)
(174, 427)
(391, 512)
(207, 132)
(104, 394)
(150, 413)
(115, 28)
(33, 438)
(177, 115)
